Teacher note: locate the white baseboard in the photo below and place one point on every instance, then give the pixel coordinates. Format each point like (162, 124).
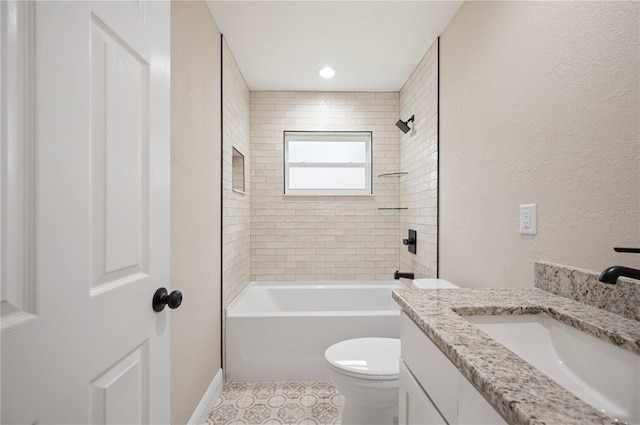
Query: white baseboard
(209, 398)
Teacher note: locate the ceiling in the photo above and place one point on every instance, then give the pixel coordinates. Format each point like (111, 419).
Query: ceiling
(374, 45)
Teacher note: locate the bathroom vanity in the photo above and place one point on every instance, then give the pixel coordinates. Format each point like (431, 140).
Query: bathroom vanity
(432, 390)
(453, 372)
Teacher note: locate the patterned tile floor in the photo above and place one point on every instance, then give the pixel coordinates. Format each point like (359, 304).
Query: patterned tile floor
(276, 403)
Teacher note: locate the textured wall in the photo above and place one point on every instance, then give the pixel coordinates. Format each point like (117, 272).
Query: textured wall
(419, 157)
(322, 238)
(539, 104)
(195, 204)
(236, 213)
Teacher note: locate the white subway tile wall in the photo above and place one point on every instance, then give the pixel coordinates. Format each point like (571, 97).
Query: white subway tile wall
(269, 236)
(322, 238)
(419, 157)
(236, 206)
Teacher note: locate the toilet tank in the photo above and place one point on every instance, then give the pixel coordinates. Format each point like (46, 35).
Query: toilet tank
(433, 284)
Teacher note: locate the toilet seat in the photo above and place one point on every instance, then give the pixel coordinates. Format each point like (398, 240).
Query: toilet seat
(366, 358)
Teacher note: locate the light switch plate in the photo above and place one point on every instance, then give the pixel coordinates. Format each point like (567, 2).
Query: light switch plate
(528, 219)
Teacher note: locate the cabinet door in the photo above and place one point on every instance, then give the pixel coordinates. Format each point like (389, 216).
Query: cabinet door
(416, 408)
(473, 409)
(431, 368)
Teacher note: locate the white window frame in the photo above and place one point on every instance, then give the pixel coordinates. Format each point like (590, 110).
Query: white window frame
(329, 136)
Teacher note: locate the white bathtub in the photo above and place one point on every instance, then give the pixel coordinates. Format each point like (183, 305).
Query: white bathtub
(279, 331)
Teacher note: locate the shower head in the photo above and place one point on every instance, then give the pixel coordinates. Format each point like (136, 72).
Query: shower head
(404, 125)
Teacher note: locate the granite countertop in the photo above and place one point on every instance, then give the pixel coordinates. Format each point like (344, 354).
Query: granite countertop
(518, 391)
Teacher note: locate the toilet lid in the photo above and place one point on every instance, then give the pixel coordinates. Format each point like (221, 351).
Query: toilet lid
(366, 358)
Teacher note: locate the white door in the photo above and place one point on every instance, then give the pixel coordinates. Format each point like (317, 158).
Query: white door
(85, 211)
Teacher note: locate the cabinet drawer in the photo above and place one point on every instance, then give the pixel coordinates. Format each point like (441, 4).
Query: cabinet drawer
(435, 372)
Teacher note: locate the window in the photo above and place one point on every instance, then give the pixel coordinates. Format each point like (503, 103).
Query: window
(327, 163)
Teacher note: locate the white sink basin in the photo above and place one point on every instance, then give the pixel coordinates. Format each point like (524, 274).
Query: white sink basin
(603, 375)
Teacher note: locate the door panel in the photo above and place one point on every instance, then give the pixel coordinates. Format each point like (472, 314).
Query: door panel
(89, 348)
(119, 395)
(120, 145)
(18, 287)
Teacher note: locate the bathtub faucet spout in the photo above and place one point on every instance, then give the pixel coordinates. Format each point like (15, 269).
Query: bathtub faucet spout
(397, 275)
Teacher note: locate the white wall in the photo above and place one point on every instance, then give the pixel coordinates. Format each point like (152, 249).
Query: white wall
(419, 157)
(539, 104)
(322, 238)
(195, 204)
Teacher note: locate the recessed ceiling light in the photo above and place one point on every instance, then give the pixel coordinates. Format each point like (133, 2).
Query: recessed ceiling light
(327, 72)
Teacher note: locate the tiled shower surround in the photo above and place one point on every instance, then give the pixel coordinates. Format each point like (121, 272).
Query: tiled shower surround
(269, 236)
(236, 214)
(419, 157)
(323, 238)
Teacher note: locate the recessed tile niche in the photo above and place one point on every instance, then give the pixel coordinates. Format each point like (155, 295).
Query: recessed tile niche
(237, 171)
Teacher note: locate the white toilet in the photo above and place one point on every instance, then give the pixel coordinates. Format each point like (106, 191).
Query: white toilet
(365, 371)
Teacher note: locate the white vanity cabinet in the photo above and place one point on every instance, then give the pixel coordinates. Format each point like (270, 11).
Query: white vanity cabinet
(432, 390)
(415, 406)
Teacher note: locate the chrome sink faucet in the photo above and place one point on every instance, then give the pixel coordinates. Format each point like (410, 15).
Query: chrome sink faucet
(611, 274)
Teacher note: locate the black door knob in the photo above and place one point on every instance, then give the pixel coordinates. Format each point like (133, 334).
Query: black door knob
(161, 298)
